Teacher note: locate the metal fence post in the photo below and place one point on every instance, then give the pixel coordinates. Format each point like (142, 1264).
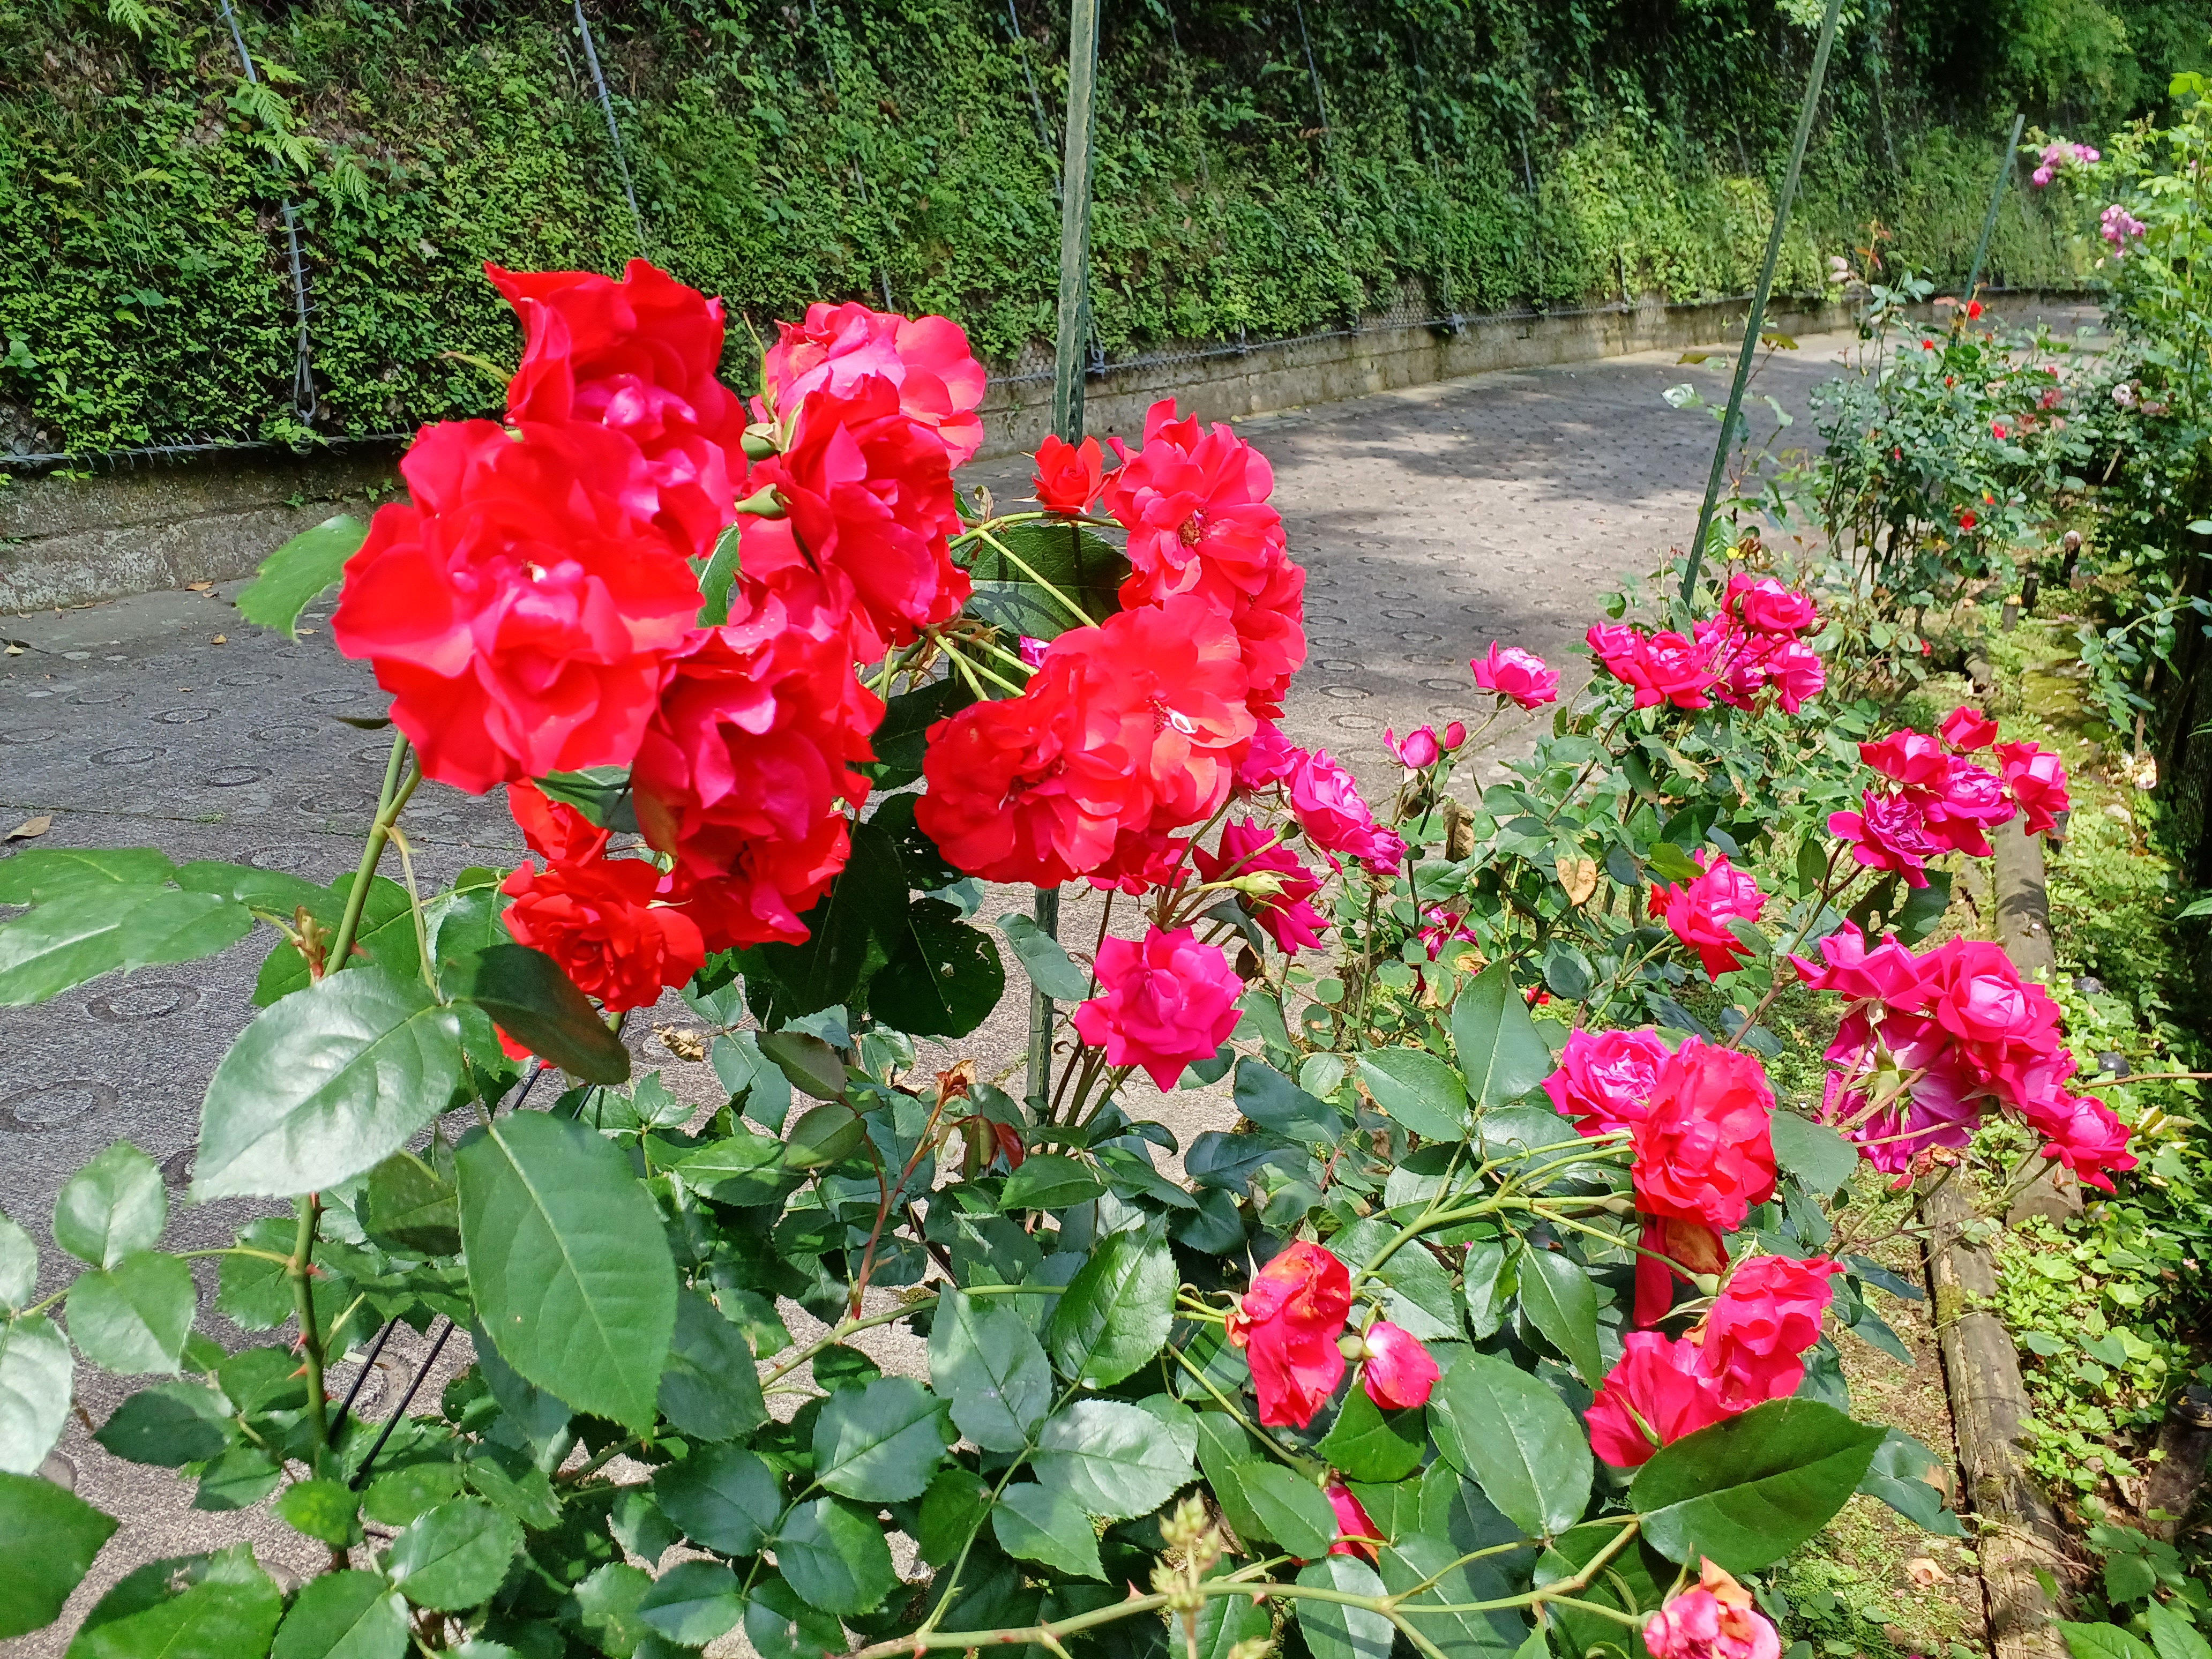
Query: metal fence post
(1068, 367)
(1758, 314)
(1996, 199)
(303, 373)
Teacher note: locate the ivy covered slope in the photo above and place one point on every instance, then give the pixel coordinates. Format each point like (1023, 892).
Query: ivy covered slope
(1470, 160)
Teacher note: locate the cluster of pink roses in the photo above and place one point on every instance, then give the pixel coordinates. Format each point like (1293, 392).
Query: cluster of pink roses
(1752, 644)
(1932, 1040)
(2057, 157)
(2120, 226)
(1943, 802)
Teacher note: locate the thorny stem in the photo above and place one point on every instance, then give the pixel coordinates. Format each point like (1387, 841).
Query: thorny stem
(1223, 1400)
(392, 798)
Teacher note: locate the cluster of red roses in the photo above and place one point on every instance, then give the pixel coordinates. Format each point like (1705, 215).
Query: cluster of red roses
(1932, 1042)
(1942, 802)
(1754, 643)
(533, 609)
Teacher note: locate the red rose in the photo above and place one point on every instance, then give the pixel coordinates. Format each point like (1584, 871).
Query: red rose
(638, 356)
(1068, 477)
(1911, 758)
(1975, 992)
(1194, 504)
(744, 774)
(1690, 1246)
(2036, 779)
(1704, 1152)
(1287, 1323)
(1765, 1317)
(1398, 1372)
(1162, 1005)
(1664, 667)
(1356, 1534)
(1246, 850)
(1967, 729)
(1510, 672)
(1765, 606)
(1889, 973)
(1659, 1392)
(1959, 816)
(870, 499)
(1889, 834)
(1699, 914)
(599, 918)
(926, 359)
(1605, 1079)
(519, 609)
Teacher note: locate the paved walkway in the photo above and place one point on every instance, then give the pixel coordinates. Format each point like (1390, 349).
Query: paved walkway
(1432, 520)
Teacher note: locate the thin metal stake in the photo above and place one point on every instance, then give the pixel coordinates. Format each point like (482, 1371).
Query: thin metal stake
(1758, 314)
(1996, 197)
(303, 374)
(614, 132)
(1068, 367)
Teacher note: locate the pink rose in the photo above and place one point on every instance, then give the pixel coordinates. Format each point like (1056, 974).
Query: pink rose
(1888, 973)
(1658, 1392)
(1967, 729)
(1889, 834)
(1287, 915)
(1510, 672)
(1715, 1620)
(1970, 802)
(2036, 779)
(1911, 758)
(1703, 1151)
(1762, 1323)
(1398, 1372)
(1699, 914)
(1663, 668)
(1162, 1005)
(1418, 750)
(939, 382)
(2085, 1135)
(1336, 818)
(1356, 1534)
(1765, 606)
(1605, 1079)
(1271, 758)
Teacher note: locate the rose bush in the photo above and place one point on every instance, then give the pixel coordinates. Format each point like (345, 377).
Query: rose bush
(1490, 1333)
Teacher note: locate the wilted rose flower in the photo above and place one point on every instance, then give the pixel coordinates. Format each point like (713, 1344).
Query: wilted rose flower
(1399, 1372)
(1288, 1324)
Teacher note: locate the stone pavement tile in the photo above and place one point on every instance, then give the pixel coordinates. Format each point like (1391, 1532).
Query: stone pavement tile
(1431, 520)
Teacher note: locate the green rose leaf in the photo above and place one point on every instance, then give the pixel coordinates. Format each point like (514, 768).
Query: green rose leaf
(1514, 1437)
(710, 1389)
(134, 1317)
(1275, 1103)
(199, 1607)
(1501, 1054)
(414, 1205)
(1560, 1301)
(608, 1600)
(326, 1510)
(325, 1084)
(2102, 1642)
(1051, 1181)
(529, 998)
(568, 1261)
(1045, 960)
(42, 874)
(19, 1266)
(99, 929)
(833, 1553)
(1748, 1491)
(742, 1168)
(112, 1207)
(167, 1424)
(1043, 1523)
(986, 1360)
(779, 1625)
(1368, 1443)
(810, 1064)
(1334, 1631)
(1296, 1513)
(452, 1557)
(1898, 1476)
(722, 1497)
(1115, 1460)
(344, 1615)
(1418, 1558)
(1814, 1152)
(943, 977)
(1116, 1311)
(299, 572)
(2173, 1635)
(693, 1602)
(386, 938)
(1225, 1621)
(824, 1135)
(1418, 1090)
(51, 1537)
(35, 1374)
(881, 1442)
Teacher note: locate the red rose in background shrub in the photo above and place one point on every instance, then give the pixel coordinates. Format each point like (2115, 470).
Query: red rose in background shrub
(1967, 729)
(863, 550)
(1716, 1618)
(2035, 778)
(1765, 1317)
(1398, 1372)
(518, 608)
(1068, 477)
(1960, 815)
(745, 773)
(1889, 833)
(1289, 919)
(1659, 1386)
(597, 916)
(1605, 1079)
(1288, 1324)
(1699, 914)
(640, 358)
(1765, 606)
(1337, 820)
(1510, 672)
(926, 359)
(1663, 668)
(1703, 1151)
(1162, 1005)
(1356, 1534)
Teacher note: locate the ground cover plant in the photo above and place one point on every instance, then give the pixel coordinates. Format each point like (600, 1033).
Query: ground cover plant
(1496, 1324)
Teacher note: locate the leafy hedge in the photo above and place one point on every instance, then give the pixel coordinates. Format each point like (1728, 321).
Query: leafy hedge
(785, 153)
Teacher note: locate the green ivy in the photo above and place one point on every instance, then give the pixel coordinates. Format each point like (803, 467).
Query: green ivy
(1466, 159)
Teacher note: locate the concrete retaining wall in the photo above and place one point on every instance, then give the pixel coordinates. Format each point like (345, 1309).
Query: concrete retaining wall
(214, 517)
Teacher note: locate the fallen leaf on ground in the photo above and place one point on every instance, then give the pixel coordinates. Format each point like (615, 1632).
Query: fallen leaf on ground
(219, 639)
(201, 587)
(1925, 1573)
(682, 1043)
(30, 829)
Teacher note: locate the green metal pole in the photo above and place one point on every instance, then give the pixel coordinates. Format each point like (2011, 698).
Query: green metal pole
(1758, 317)
(1067, 386)
(1996, 197)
